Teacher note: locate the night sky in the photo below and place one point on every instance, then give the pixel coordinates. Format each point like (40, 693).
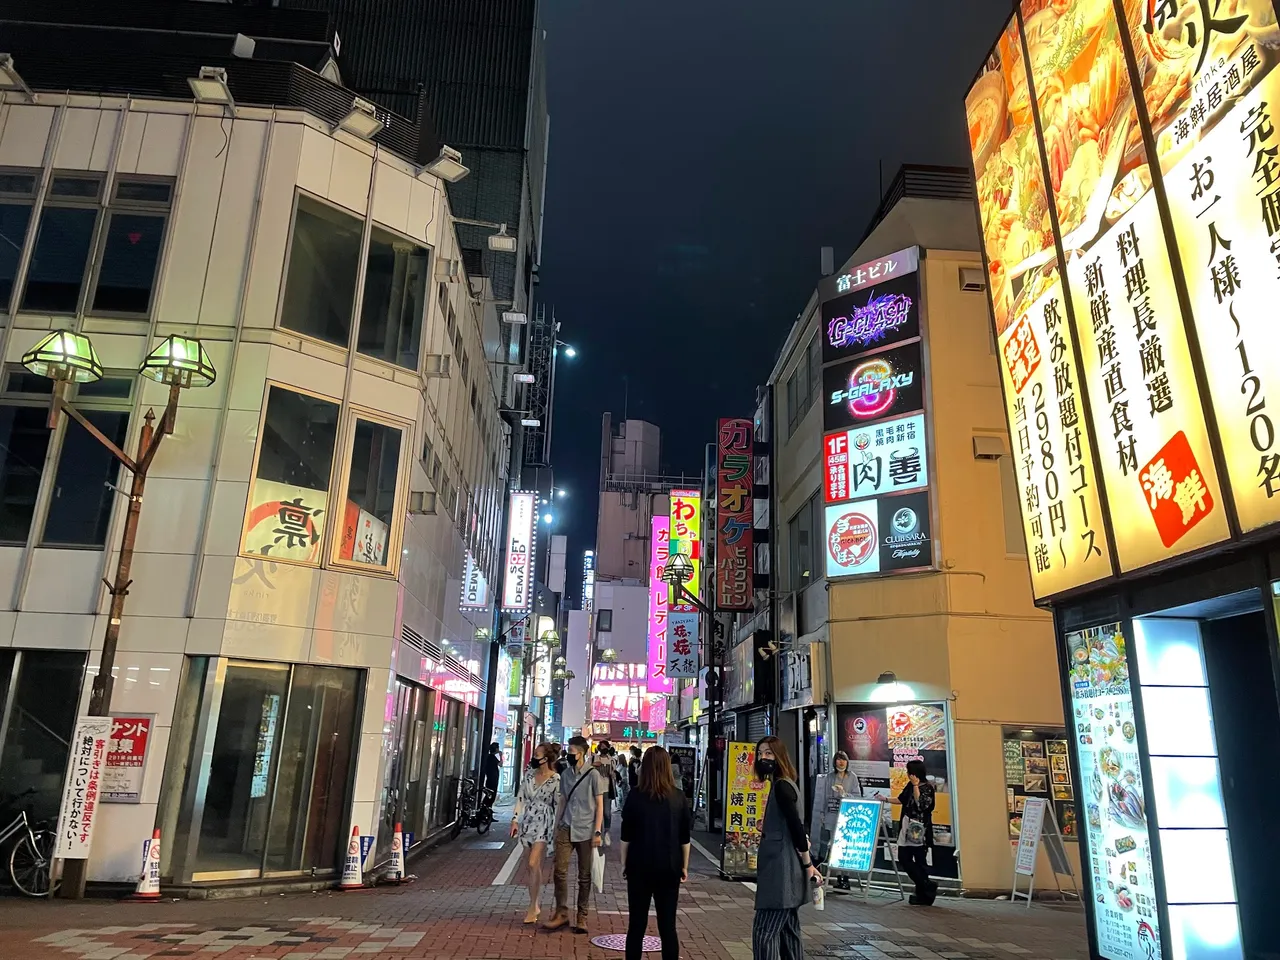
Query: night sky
(702, 151)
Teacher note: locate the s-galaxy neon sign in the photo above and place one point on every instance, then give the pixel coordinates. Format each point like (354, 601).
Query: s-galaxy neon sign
(872, 388)
(870, 323)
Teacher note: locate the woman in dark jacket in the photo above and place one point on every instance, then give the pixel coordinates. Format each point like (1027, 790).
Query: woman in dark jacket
(655, 852)
(917, 800)
(784, 866)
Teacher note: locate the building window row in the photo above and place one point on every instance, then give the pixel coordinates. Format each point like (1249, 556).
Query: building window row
(804, 541)
(90, 253)
(804, 385)
(326, 488)
(58, 481)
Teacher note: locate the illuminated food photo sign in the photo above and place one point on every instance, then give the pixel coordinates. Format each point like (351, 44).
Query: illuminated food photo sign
(884, 535)
(870, 388)
(1152, 367)
(873, 317)
(882, 458)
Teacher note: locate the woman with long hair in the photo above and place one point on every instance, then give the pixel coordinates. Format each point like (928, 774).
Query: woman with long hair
(655, 852)
(842, 783)
(784, 866)
(534, 821)
(916, 833)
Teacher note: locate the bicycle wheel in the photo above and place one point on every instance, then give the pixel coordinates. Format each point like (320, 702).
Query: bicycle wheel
(457, 828)
(484, 821)
(29, 865)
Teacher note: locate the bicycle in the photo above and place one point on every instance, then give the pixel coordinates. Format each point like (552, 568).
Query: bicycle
(473, 810)
(31, 859)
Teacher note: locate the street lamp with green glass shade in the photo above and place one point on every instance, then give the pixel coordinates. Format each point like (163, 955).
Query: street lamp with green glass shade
(64, 357)
(179, 362)
(550, 638)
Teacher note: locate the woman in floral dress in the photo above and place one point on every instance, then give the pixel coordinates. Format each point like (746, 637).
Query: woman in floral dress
(534, 821)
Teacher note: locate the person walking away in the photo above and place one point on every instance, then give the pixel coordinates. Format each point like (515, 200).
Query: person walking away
(915, 836)
(784, 866)
(604, 767)
(534, 822)
(842, 783)
(656, 823)
(492, 774)
(579, 817)
(621, 774)
(633, 766)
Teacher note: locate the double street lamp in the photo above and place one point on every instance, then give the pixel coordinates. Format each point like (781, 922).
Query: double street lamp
(68, 358)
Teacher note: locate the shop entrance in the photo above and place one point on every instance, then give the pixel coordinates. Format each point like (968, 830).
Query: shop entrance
(1207, 669)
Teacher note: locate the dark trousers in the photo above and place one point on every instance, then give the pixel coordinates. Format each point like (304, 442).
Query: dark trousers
(775, 935)
(912, 860)
(564, 850)
(664, 891)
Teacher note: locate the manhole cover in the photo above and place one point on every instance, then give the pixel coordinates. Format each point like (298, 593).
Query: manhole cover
(487, 845)
(618, 941)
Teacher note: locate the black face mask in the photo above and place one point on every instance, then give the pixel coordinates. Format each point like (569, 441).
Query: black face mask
(574, 761)
(536, 762)
(766, 768)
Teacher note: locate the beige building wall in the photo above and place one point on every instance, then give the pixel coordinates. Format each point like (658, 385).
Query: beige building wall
(221, 279)
(968, 633)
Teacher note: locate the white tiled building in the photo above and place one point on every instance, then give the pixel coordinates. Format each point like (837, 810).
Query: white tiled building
(293, 629)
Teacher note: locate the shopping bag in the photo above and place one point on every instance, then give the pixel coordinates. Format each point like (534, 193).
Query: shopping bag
(911, 834)
(597, 870)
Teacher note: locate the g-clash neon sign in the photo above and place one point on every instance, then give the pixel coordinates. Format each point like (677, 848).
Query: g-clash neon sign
(870, 323)
(873, 386)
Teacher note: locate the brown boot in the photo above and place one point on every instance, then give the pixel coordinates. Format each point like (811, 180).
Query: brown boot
(581, 925)
(558, 920)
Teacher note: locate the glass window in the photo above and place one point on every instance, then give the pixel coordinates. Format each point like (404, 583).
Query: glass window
(130, 255)
(35, 727)
(395, 296)
(24, 441)
(17, 191)
(815, 369)
(56, 273)
(371, 494)
(324, 258)
(80, 508)
(804, 558)
(289, 501)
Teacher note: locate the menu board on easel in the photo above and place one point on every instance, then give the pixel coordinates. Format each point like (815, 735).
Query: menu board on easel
(1036, 765)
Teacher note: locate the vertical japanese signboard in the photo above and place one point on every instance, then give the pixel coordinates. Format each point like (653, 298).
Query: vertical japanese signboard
(657, 680)
(1052, 446)
(1213, 96)
(1148, 418)
(745, 798)
(588, 580)
(686, 538)
(517, 583)
(735, 505)
(682, 645)
(82, 791)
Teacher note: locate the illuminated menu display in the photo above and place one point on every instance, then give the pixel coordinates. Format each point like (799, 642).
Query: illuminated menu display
(1117, 838)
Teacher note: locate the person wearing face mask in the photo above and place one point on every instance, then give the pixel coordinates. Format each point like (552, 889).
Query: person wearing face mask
(534, 821)
(784, 866)
(917, 801)
(579, 818)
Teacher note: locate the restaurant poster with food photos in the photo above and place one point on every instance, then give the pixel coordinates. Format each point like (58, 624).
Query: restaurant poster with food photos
(1036, 765)
(746, 796)
(1053, 449)
(1117, 851)
(1162, 487)
(880, 740)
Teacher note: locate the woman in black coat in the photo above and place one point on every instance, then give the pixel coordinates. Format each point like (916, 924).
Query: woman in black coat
(917, 801)
(655, 852)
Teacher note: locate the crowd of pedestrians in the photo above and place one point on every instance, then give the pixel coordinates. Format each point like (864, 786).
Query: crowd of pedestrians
(565, 804)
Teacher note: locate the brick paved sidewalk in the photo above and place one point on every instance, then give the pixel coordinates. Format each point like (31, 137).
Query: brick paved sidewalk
(455, 911)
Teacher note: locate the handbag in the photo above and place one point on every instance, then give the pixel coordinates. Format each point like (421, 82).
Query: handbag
(911, 833)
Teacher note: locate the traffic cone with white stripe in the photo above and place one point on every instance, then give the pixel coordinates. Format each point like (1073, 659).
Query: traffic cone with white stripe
(149, 883)
(352, 874)
(396, 873)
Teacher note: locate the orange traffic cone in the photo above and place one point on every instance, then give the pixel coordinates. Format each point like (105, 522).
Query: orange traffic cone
(396, 873)
(149, 883)
(352, 874)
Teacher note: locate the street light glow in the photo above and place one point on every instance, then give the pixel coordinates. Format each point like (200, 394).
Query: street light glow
(546, 518)
(569, 351)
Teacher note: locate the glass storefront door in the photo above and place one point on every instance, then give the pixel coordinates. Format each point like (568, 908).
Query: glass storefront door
(39, 693)
(264, 786)
(405, 784)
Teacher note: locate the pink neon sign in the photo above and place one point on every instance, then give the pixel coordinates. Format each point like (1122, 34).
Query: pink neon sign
(659, 542)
